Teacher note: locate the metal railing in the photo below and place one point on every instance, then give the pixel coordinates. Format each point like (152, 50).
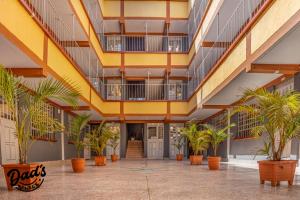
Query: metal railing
(195, 17)
(235, 25)
(62, 33)
(144, 43)
(144, 92)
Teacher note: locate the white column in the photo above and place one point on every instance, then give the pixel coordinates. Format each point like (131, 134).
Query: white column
(62, 135)
(228, 132)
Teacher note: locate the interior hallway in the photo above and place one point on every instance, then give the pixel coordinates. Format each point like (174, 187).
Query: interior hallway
(152, 179)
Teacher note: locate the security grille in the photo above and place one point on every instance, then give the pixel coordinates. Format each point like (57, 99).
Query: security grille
(47, 135)
(246, 122)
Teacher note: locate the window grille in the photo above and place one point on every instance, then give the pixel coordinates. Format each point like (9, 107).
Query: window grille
(220, 121)
(48, 135)
(246, 122)
(4, 110)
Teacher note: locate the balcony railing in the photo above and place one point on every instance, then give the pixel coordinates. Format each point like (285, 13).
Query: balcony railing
(144, 92)
(195, 17)
(235, 26)
(63, 34)
(144, 43)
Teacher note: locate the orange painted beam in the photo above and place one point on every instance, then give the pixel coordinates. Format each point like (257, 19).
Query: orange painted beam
(28, 72)
(77, 108)
(215, 106)
(215, 44)
(75, 43)
(274, 68)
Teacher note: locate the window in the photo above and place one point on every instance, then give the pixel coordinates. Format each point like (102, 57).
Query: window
(220, 121)
(246, 121)
(176, 91)
(48, 135)
(4, 110)
(113, 43)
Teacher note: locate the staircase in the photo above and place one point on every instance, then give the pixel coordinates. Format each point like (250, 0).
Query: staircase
(135, 150)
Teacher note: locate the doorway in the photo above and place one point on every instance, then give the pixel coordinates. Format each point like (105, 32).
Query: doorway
(135, 132)
(155, 141)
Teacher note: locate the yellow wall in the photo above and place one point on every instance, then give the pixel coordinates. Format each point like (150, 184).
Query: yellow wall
(62, 67)
(15, 18)
(232, 62)
(179, 59)
(145, 9)
(104, 107)
(110, 8)
(179, 108)
(179, 9)
(273, 19)
(145, 107)
(140, 59)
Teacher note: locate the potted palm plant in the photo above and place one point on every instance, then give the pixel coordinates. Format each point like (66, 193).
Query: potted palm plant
(24, 107)
(178, 144)
(198, 141)
(114, 142)
(279, 118)
(98, 139)
(77, 138)
(216, 136)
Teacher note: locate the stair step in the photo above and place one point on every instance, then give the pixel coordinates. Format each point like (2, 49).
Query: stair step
(135, 150)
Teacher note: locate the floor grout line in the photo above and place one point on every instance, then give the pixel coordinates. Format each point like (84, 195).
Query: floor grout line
(148, 189)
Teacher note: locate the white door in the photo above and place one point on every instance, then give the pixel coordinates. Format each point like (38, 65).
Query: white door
(9, 142)
(174, 134)
(155, 143)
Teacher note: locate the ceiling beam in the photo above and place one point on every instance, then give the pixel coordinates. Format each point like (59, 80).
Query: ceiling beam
(274, 68)
(77, 108)
(215, 44)
(75, 43)
(215, 106)
(28, 72)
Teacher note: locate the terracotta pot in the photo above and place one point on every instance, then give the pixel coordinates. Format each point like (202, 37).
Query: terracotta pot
(179, 157)
(114, 158)
(27, 168)
(213, 162)
(100, 160)
(196, 160)
(276, 171)
(78, 165)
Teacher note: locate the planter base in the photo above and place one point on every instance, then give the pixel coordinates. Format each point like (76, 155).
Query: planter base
(214, 162)
(196, 160)
(179, 157)
(78, 165)
(21, 168)
(114, 158)
(276, 171)
(100, 160)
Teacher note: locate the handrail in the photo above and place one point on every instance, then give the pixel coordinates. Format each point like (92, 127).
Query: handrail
(144, 92)
(234, 26)
(195, 17)
(144, 43)
(63, 35)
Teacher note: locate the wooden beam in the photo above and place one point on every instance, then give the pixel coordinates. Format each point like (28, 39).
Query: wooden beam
(215, 106)
(28, 72)
(215, 44)
(77, 108)
(274, 68)
(75, 43)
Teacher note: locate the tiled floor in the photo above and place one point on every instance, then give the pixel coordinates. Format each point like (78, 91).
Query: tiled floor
(130, 180)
